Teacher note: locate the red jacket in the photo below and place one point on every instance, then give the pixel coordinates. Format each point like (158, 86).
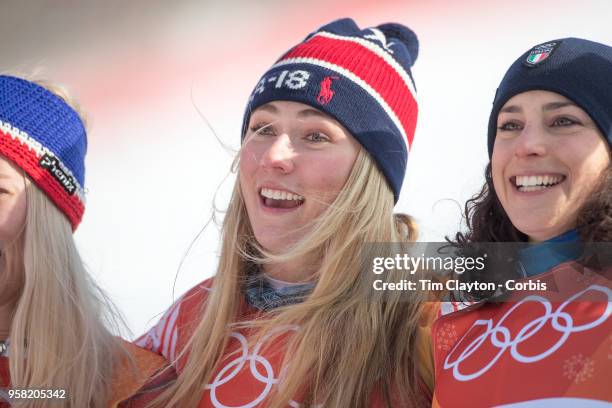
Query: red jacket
(541, 350)
(242, 379)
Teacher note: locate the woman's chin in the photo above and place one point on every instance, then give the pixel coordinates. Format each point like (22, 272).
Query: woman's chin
(275, 245)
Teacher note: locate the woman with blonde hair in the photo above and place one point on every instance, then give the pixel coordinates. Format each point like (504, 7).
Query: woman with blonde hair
(286, 320)
(56, 345)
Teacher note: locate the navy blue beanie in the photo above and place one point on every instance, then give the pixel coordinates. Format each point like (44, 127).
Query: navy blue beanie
(359, 77)
(578, 69)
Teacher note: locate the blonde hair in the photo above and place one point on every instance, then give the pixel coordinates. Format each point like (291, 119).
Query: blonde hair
(59, 338)
(338, 372)
(61, 329)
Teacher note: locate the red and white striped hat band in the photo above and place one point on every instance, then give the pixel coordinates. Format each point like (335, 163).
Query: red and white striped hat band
(43, 135)
(368, 65)
(45, 169)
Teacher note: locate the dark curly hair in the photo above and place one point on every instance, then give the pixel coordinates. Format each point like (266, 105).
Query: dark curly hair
(487, 220)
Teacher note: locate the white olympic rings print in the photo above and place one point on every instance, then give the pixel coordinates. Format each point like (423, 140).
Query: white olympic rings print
(500, 335)
(232, 368)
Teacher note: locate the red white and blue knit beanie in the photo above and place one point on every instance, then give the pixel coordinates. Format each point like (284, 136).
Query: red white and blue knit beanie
(44, 136)
(359, 77)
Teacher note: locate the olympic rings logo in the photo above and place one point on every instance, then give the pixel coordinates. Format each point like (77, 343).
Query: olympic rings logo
(232, 368)
(501, 338)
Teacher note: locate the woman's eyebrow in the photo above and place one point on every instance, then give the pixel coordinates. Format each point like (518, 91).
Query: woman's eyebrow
(269, 107)
(511, 109)
(557, 105)
(311, 112)
(548, 107)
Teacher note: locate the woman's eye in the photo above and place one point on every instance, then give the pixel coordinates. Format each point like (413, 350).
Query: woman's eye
(262, 129)
(564, 122)
(317, 137)
(509, 127)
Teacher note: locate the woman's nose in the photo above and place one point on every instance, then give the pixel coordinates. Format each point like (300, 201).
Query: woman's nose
(531, 142)
(279, 155)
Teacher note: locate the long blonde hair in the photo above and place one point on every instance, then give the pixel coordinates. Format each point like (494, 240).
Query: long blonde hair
(346, 346)
(60, 335)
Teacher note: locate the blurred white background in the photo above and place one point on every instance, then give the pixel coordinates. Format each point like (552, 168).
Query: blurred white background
(143, 69)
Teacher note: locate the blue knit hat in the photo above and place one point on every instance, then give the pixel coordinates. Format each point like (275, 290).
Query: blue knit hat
(44, 136)
(359, 77)
(580, 70)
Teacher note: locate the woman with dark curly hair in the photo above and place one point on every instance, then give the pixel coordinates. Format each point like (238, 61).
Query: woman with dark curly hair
(548, 185)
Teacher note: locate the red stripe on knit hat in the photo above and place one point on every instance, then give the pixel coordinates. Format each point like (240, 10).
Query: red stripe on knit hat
(371, 68)
(27, 159)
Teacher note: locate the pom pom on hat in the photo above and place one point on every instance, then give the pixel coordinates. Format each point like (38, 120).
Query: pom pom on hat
(405, 35)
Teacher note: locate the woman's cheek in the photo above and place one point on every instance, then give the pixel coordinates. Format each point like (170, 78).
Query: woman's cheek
(248, 157)
(499, 161)
(329, 181)
(12, 219)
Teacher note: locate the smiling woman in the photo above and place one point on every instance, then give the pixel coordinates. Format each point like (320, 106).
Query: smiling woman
(294, 162)
(548, 157)
(549, 185)
(570, 80)
(285, 320)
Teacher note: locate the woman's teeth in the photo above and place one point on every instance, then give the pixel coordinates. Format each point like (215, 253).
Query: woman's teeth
(280, 195)
(280, 199)
(536, 183)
